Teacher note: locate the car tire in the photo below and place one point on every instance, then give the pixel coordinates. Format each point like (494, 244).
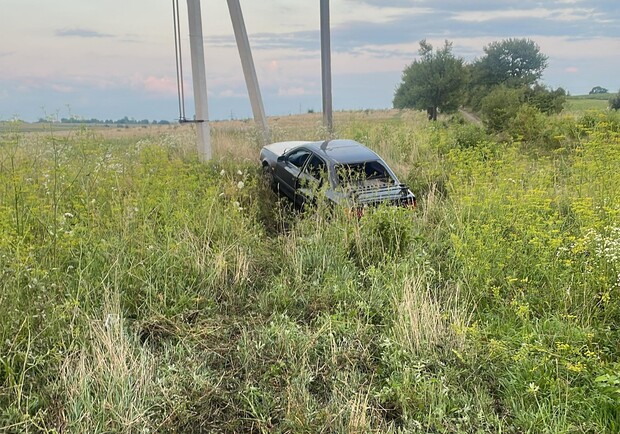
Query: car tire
(268, 176)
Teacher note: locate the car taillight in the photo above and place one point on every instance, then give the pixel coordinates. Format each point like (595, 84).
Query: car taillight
(409, 203)
(356, 211)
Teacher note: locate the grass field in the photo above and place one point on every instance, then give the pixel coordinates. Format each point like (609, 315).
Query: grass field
(142, 291)
(581, 103)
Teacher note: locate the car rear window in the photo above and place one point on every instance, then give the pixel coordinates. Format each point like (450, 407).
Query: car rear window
(363, 173)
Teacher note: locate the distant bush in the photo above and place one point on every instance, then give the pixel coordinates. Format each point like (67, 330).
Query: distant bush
(468, 135)
(546, 100)
(528, 124)
(614, 101)
(500, 106)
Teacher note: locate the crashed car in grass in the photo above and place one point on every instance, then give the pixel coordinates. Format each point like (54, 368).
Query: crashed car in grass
(344, 172)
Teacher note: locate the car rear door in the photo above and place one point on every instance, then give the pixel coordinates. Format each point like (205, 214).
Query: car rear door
(311, 179)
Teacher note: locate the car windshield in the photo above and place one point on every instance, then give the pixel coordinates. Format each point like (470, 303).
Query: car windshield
(366, 174)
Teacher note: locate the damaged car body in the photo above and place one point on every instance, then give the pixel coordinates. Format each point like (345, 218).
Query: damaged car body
(345, 172)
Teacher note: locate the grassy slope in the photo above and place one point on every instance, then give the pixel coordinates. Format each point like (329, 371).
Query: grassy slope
(141, 290)
(581, 103)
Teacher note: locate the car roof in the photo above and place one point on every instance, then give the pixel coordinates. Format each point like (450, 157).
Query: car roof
(342, 151)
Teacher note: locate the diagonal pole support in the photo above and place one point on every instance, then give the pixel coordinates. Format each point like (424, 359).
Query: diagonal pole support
(247, 63)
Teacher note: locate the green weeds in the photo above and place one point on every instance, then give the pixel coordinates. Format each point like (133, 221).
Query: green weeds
(142, 291)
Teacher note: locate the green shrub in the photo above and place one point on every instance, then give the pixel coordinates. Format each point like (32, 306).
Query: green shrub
(528, 124)
(500, 106)
(468, 135)
(614, 102)
(384, 234)
(546, 100)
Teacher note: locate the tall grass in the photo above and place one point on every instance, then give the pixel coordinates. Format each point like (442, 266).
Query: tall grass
(107, 384)
(144, 291)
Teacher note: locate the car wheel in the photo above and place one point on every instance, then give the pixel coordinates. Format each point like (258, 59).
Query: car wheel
(268, 175)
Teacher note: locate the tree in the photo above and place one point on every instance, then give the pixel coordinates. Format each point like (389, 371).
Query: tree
(597, 90)
(434, 82)
(511, 62)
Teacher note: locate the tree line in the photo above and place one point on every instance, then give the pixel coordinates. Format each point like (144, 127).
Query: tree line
(123, 121)
(496, 85)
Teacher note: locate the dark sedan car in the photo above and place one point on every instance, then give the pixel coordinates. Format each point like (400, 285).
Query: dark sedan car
(344, 171)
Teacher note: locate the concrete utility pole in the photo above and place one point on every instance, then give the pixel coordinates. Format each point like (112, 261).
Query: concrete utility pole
(199, 77)
(326, 64)
(247, 62)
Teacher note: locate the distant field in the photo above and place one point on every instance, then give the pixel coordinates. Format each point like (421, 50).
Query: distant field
(579, 103)
(278, 122)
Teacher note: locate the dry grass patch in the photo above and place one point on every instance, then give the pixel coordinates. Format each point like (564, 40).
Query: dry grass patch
(425, 323)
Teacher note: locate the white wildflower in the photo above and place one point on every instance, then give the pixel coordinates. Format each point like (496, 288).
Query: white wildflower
(240, 185)
(223, 172)
(608, 246)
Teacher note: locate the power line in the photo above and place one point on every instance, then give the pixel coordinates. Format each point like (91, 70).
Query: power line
(178, 59)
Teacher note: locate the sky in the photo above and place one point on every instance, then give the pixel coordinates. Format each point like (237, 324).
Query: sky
(107, 60)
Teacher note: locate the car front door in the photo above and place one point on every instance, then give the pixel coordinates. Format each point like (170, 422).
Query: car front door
(288, 168)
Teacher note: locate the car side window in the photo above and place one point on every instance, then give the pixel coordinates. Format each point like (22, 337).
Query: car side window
(298, 158)
(316, 168)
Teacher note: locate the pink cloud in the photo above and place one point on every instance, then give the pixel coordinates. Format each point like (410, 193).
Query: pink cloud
(160, 85)
(273, 66)
(572, 70)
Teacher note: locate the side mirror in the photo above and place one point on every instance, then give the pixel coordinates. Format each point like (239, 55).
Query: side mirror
(281, 158)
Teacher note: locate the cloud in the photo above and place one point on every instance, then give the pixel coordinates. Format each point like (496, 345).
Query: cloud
(229, 93)
(567, 48)
(293, 91)
(164, 86)
(386, 12)
(572, 70)
(62, 88)
(573, 14)
(82, 33)
(450, 19)
(302, 40)
(273, 67)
